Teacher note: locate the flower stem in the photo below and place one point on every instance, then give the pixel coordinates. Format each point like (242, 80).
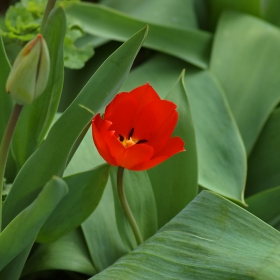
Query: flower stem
(5, 148)
(50, 5)
(126, 207)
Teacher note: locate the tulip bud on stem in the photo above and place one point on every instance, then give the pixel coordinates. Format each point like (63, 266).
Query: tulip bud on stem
(5, 148)
(126, 207)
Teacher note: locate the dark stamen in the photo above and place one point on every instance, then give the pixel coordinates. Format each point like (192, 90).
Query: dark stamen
(121, 138)
(130, 133)
(142, 141)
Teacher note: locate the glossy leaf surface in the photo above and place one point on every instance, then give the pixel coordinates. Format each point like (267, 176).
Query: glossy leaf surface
(68, 253)
(101, 232)
(181, 14)
(189, 44)
(85, 192)
(203, 244)
(264, 161)
(175, 182)
(265, 205)
(248, 75)
(25, 226)
(221, 155)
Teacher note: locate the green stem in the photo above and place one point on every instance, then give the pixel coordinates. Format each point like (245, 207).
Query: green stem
(49, 7)
(5, 148)
(126, 207)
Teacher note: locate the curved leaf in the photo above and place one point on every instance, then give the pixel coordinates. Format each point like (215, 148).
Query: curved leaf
(180, 14)
(175, 182)
(101, 233)
(189, 44)
(249, 75)
(217, 7)
(85, 192)
(264, 161)
(22, 230)
(222, 162)
(85, 158)
(212, 238)
(265, 205)
(13, 269)
(68, 253)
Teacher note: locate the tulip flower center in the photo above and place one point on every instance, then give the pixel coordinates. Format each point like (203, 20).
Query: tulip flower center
(130, 141)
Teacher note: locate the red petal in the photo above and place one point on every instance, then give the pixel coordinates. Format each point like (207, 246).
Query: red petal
(136, 155)
(121, 112)
(154, 117)
(163, 134)
(99, 130)
(127, 157)
(174, 146)
(144, 94)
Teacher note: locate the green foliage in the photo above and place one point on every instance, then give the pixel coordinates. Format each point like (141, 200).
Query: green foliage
(189, 44)
(218, 62)
(24, 228)
(69, 253)
(22, 23)
(183, 168)
(87, 187)
(36, 119)
(205, 244)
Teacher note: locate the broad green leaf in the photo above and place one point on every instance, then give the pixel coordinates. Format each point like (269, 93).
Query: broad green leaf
(51, 157)
(85, 192)
(101, 233)
(248, 74)
(216, 8)
(270, 11)
(221, 155)
(23, 229)
(68, 253)
(140, 197)
(13, 269)
(189, 44)
(264, 161)
(36, 118)
(74, 80)
(161, 71)
(265, 205)
(85, 158)
(212, 238)
(179, 13)
(175, 181)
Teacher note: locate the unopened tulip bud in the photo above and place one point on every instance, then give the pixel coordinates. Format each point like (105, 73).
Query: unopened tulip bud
(30, 72)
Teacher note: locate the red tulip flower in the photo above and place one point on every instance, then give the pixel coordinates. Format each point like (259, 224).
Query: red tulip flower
(136, 129)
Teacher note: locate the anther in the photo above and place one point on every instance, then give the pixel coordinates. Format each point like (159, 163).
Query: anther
(142, 141)
(130, 133)
(121, 138)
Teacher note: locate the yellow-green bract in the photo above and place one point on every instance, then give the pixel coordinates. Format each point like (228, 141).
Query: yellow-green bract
(30, 72)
